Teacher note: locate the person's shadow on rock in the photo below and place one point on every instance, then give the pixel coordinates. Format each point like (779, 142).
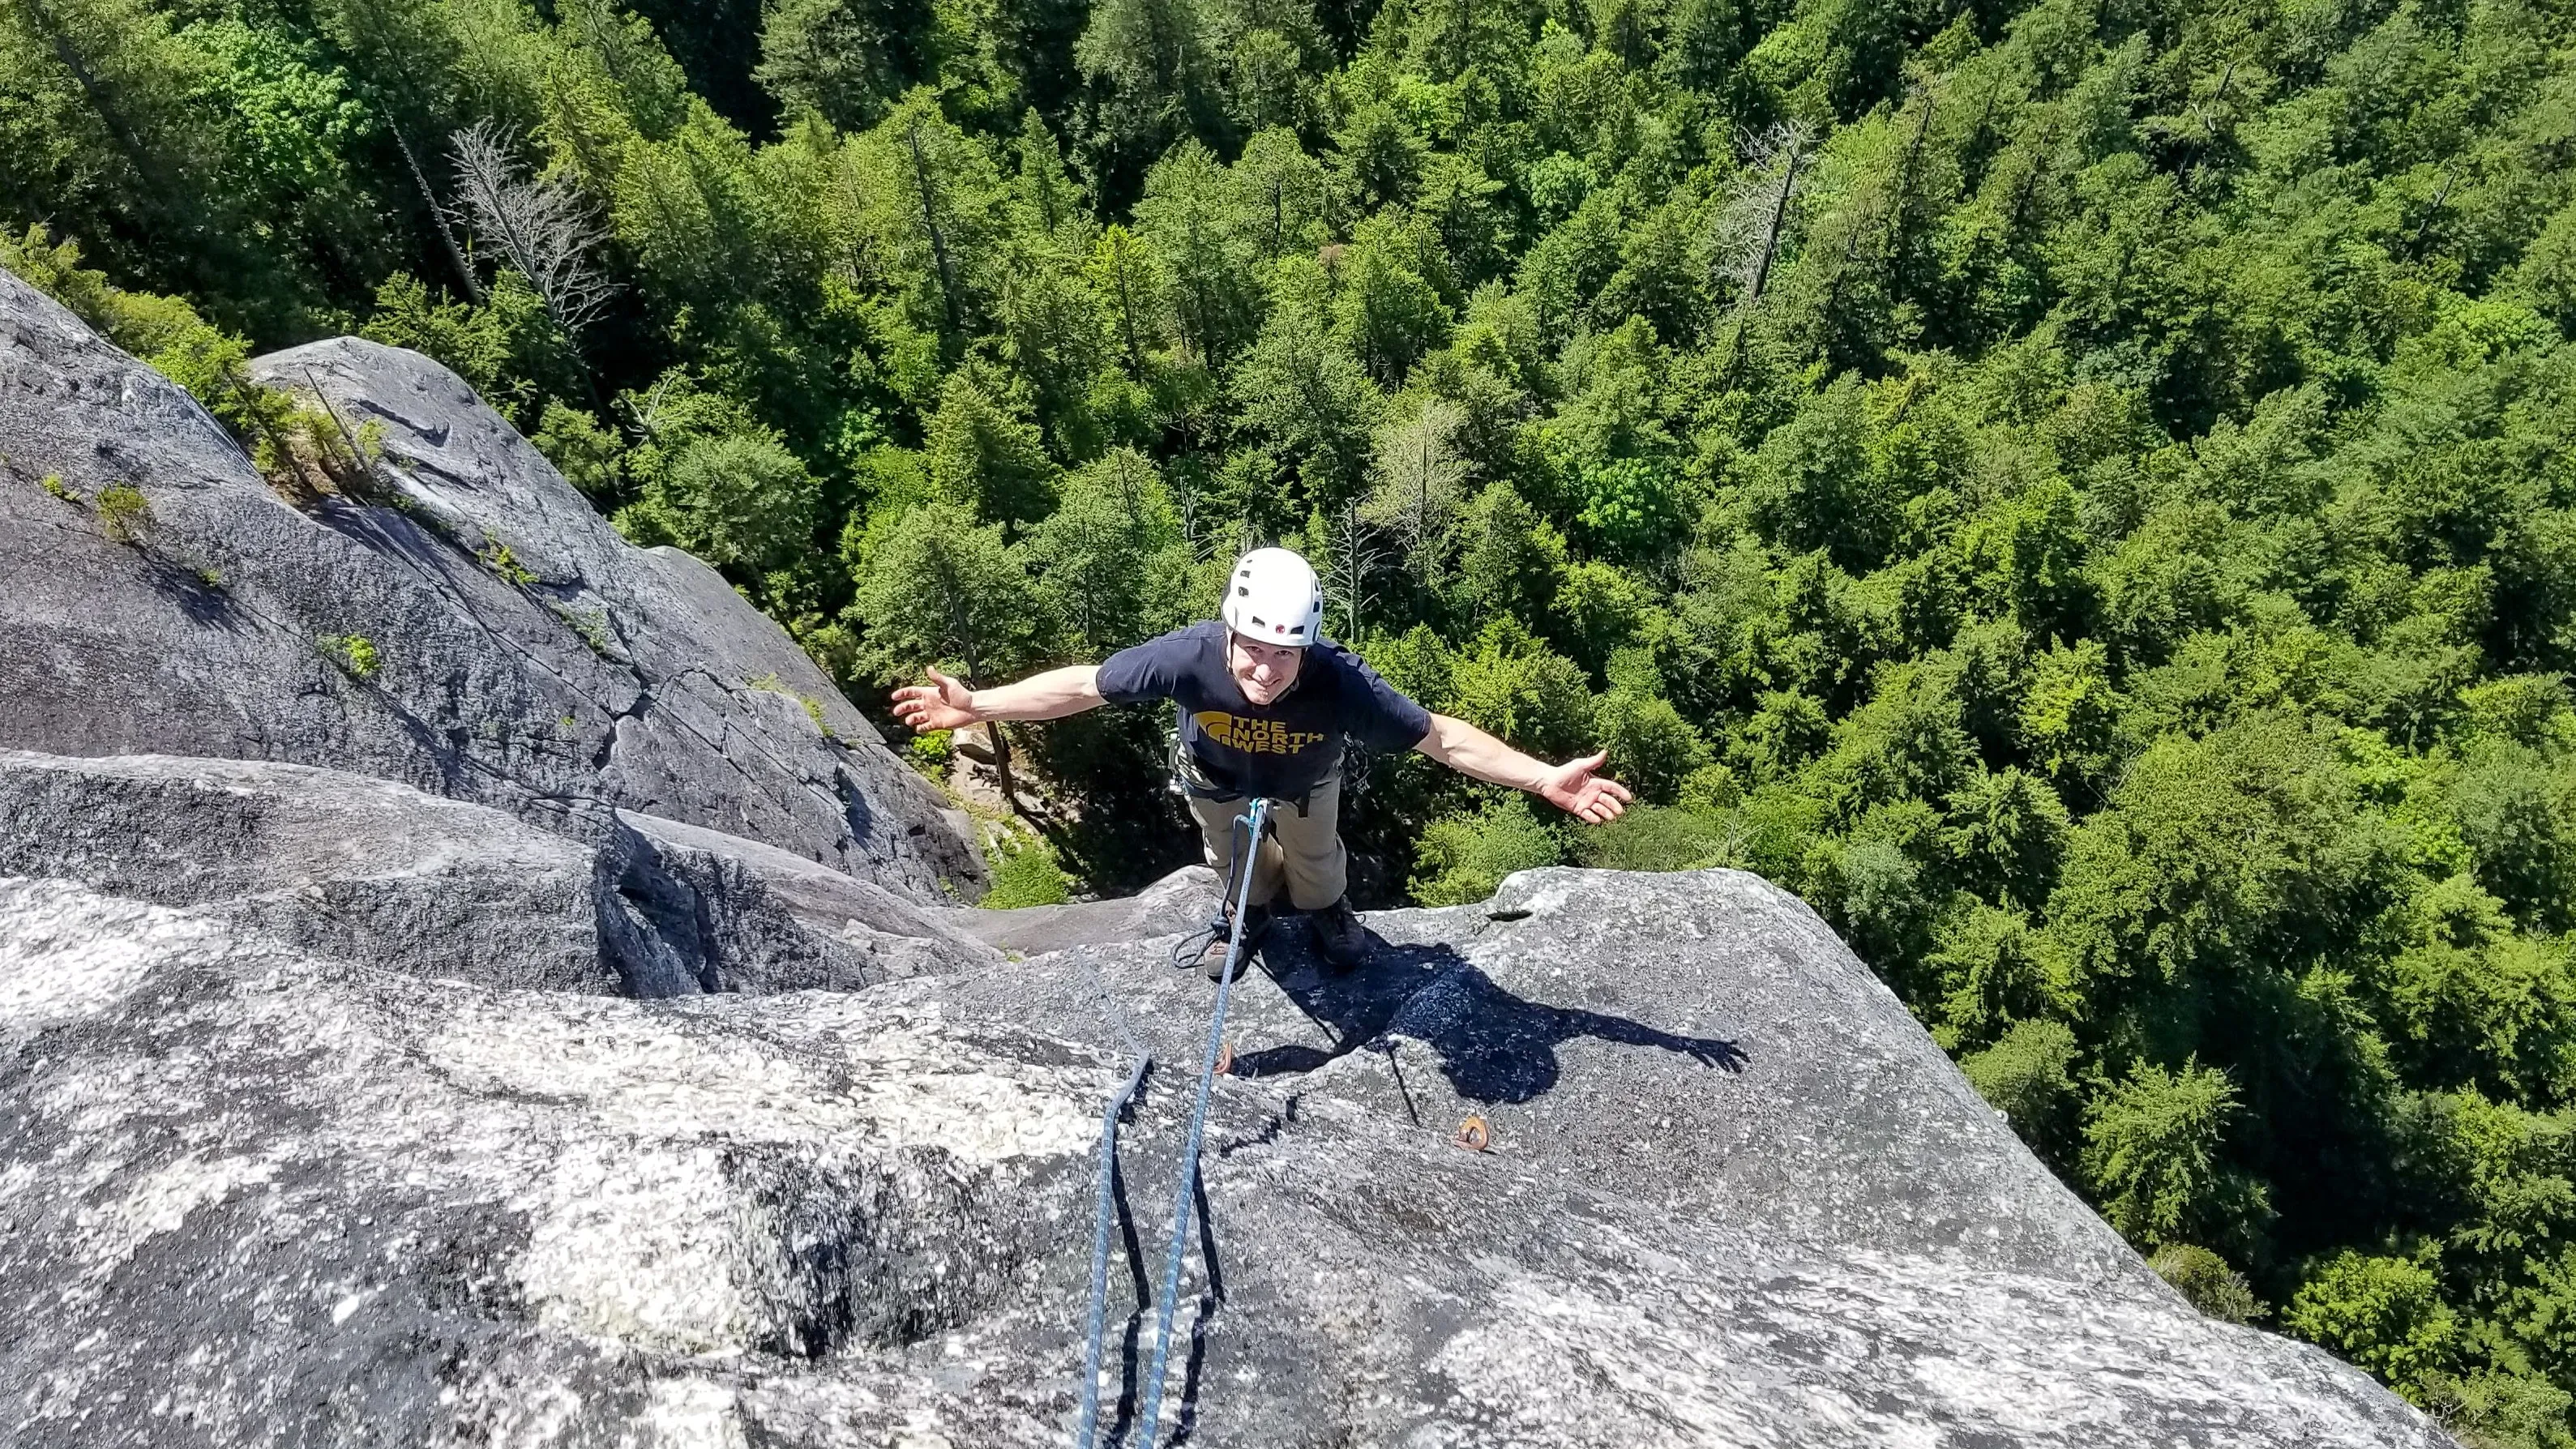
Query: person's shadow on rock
(1493, 1045)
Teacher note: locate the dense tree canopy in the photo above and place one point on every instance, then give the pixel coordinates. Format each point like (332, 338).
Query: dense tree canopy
(2079, 490)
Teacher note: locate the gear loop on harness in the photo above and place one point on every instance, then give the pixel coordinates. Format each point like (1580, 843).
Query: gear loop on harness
(1088, 1425)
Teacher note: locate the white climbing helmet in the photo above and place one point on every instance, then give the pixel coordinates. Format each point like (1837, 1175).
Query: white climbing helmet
(1273, 598)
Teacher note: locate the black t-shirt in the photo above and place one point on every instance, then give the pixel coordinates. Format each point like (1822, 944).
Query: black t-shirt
(1280, 750)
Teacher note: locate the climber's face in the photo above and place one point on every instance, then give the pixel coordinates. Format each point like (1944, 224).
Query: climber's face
(1262, 671)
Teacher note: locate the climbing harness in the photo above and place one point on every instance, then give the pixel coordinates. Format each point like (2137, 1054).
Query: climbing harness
(1191, 783)
(1209, 1067)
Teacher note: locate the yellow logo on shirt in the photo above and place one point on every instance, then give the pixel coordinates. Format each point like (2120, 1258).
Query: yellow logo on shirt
(1254, 736)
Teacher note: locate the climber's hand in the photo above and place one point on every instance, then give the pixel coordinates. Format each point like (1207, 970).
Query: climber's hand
(1711, 1051)
(942, 704)
(1574, 789)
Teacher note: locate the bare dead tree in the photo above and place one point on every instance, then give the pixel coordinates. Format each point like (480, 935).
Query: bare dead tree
(438, 214)
(1420, 482)
(1756, 216)
(542, 225)
(1352, 554)
(930, 222)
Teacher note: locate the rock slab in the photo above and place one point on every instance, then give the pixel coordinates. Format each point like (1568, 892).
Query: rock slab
(1732, 1194)
(255, 1197)
(366, 871)
(571, 670)
(257, 1193)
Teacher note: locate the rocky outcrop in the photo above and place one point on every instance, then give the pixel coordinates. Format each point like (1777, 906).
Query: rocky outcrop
(394, 637)
(366, 871)
(740, 916)
(1733, 1195)
(585, 1057)
(348, 867)
(261, 1190)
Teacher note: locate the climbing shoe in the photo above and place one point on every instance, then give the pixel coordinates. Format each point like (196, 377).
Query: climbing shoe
(1256, 921)
(1338, 934)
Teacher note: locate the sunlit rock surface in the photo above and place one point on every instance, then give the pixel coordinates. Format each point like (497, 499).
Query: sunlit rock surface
(258, 1194)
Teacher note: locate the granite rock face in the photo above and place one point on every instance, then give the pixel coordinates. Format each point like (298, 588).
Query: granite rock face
(257, 1197)
(259, 1193)
(366, 871)
(740, 916)
(1732, 1194)
(345, 866)
(573, 670)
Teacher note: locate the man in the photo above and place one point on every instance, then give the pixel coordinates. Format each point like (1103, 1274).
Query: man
(1267, 705)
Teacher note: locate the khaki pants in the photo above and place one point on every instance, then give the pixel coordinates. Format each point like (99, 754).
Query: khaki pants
(1307, 849)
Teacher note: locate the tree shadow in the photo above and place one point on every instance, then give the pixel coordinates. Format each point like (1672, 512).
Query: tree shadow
(1493, 1045)
(197, 593)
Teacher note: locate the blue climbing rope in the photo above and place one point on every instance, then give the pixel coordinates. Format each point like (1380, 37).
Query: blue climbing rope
(1082, 1434)
(1145, 1419)
(1085, 1430)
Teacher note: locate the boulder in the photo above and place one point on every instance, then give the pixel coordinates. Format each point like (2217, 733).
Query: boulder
(1184, 901)
(391, 636)
(364, 870)
(1729, 1194)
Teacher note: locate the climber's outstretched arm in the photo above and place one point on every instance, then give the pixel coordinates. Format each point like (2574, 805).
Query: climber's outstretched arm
(1570, 787)
(947, 704)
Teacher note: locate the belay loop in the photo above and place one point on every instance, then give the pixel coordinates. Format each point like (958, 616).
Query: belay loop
(1088, 1425)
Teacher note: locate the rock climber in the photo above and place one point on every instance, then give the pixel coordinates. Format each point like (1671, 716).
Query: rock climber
(1267, 706)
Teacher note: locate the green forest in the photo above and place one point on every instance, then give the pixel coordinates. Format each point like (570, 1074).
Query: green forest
(2080, 491)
